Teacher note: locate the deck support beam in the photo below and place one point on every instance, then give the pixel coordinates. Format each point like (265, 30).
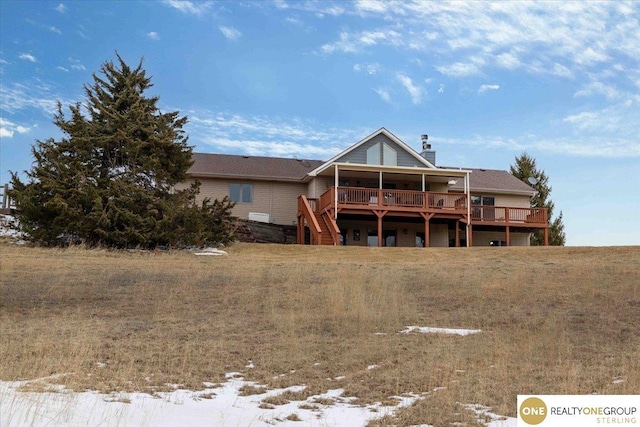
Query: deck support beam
(546, 236)
(427, 217)
(508, 235)
(457, 233)
(379, 214)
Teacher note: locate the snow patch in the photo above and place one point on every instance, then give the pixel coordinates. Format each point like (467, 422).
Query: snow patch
(210, 252)
(484, 413)
(220, 405)
(9, 227)
(430, 330)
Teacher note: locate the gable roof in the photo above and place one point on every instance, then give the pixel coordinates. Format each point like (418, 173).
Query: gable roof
(386, 133)
(493, 180)
(262, 168)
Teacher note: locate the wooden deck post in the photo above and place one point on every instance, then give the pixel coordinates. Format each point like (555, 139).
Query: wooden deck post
(508, 235)
(469, 235)
(427, 237)
(379, 231)
(546, 236)
(457, 233)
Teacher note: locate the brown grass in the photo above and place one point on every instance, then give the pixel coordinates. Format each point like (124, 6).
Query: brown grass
(554, 321)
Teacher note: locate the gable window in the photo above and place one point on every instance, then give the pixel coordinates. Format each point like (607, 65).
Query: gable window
(388, 156)
(241, 193)
(373, 155)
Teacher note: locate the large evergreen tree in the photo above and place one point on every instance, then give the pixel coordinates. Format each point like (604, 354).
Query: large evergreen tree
(110, 179)
(524, 169)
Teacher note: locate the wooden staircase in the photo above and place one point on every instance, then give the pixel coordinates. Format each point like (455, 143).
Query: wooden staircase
(322, 226)
(325, 237)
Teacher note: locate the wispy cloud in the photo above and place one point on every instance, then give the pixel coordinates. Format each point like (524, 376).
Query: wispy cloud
(372, 6)
(230, 33)
(470, 38)
(620, 119)
(414, 91)
(267, 136)
(76, 64)
(28, 57)
(598, 88)
(190, 7)
(613, 148)
(82, 32)
(485, 87)
(8, 128)
(370, 69)
(61, 8)
(441, 88)
(609, 132)
(384, 94)
(61, 68)
(459, 69)
(54, 30)
(20, 97)
(153, 35)
(355, 42)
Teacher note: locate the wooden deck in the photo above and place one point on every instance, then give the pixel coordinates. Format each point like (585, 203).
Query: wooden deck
(321, 214)
(409, 203)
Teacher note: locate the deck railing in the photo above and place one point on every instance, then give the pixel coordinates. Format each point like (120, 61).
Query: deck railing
(489, 214)
(359, 196)
(429, 201)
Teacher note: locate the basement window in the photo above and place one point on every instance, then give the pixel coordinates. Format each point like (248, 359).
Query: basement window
(241, 193)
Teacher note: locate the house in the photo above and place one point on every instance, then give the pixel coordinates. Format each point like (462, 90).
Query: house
(378, 192)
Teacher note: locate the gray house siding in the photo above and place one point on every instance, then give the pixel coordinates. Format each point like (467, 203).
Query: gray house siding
(359, 155)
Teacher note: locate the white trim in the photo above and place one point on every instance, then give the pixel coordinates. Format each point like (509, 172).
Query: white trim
(468, 192)
(407, 170)
(489, 191)
(386, 133)
(335, 195)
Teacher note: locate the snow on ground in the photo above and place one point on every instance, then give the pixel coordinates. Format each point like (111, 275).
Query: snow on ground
(8, 228)
(217, 406)
(429, 330)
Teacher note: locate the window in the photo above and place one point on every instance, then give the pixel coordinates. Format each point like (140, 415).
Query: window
(241, 193)
(483, 200)
(484, 213)
(389, 156)
(373, 155)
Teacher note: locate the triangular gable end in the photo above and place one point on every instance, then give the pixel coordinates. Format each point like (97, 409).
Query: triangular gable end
(356, 153)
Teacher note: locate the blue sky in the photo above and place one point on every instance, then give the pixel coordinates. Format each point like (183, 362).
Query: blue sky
(486, 81)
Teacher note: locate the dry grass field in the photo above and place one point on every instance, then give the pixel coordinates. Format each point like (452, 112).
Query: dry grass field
(553, 321)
